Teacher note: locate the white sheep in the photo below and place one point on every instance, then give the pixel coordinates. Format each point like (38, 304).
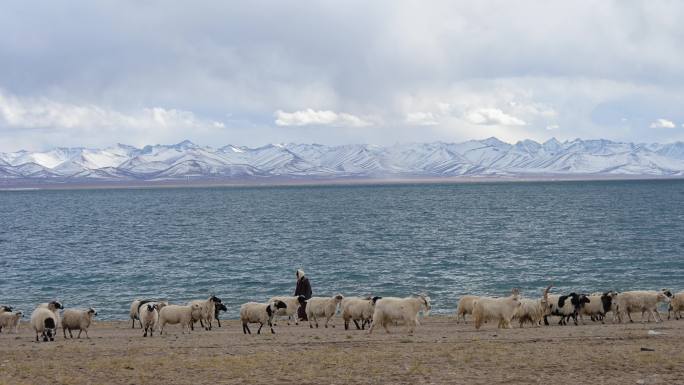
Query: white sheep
(645, 301)
(208, 313)
(530, 310)
(261, 313)
(176, 314)
(76, 319)
(10, 321)
(676, 306)
(148, 315)
(465, 306)
(322, 307)
(55, 307)
(293, 303)
(357, 309)
(390, 309)
(44, 323)
(499, 309)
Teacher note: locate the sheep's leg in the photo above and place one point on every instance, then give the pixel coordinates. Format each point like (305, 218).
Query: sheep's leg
(133, 325)
(245, 328)
(79, 334)
(219, 321)
(271, 326)
(357, 324)
(659, 319)
(70, 335)
(546, 320)
(64, 332)
(260, 326)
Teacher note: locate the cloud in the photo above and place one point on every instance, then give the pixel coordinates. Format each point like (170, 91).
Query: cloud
(618, 59)
(46, 113)
(311, 117)
(421, 119)
(662, 123)
(492, 116)
(552, 127)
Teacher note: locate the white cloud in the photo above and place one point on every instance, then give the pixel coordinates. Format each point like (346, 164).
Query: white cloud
(311, 117)
(662, 123)
(492, 116)
(421, 119)
(552, 127)
(46, 113)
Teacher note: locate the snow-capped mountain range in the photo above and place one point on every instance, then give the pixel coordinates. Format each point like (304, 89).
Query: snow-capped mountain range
(489, 157)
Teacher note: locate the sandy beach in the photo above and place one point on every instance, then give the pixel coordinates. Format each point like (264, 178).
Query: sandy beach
(441, 351)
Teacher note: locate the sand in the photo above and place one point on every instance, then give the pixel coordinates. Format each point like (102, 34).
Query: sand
(441, 351)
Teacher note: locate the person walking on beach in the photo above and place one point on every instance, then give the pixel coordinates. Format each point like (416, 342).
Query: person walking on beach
(303, 288)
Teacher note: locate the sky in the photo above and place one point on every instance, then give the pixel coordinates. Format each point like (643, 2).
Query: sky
(96, 73)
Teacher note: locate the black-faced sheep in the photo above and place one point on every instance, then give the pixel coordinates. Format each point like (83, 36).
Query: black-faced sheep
(676, 306)
(76, 319)
(564, 306)
(208, 313)
(644, 301)
(293, 303)
(358, 309)
(219, 308)
(322, 307)
(44, 323)
(134, 312)
(261, 313)
(148, 314)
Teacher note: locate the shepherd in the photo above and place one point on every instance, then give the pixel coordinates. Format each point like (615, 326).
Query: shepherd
(303, 288)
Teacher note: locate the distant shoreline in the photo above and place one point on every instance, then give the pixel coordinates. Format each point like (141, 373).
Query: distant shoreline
(31, 185)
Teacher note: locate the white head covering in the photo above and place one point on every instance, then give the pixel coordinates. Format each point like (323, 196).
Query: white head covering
(300, 274)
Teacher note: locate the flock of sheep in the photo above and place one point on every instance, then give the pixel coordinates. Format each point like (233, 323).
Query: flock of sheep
(571, 306)
(374, 311)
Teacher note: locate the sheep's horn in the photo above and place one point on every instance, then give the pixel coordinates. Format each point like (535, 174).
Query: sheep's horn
(546, 292)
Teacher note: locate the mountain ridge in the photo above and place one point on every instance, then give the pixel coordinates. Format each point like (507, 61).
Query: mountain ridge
(488, 157)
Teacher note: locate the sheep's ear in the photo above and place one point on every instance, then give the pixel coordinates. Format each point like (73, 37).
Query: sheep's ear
(269, 311)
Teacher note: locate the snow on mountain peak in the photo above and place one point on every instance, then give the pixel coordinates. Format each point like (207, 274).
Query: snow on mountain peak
(490, 156)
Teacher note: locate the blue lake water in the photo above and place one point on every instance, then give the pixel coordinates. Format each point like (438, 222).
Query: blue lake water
(103, 248)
